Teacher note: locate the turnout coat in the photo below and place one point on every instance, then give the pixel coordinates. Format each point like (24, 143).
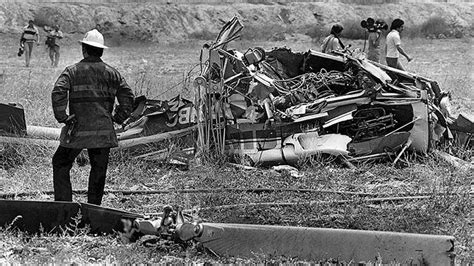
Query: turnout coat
(90, 87)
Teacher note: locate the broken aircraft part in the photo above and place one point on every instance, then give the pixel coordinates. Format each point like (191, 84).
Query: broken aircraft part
(34, 216)
(249, 103)
(282, 96)
(321, 244)
(242, 240)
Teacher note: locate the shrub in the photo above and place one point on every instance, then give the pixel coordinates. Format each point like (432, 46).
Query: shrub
(435, 26)
(353, 30)
(46, 16)
(411, 31)
(432, 28)
(203, 35)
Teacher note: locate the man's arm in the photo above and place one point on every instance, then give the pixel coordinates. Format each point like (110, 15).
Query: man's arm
(125, 99)
(59, 96)
(22, 38)
(400, 49)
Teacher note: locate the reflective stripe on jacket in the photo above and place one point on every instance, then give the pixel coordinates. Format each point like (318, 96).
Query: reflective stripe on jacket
(90, 87)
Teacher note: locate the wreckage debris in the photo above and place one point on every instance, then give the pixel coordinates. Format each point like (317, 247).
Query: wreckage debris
(278, 106)
(274, 107)
(243, 240)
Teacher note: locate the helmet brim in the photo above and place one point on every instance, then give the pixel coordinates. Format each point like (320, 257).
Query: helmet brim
(98, 45)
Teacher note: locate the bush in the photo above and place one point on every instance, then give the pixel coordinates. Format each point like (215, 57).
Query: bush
(435, 26)
(203, 35)
(411, 31)
(353, 30)
(47, 16)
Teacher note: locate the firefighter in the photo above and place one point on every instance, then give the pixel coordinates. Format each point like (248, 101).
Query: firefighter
(90, 87)
(29, 36)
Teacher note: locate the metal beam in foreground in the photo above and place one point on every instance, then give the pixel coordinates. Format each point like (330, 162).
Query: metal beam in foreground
(319, 244)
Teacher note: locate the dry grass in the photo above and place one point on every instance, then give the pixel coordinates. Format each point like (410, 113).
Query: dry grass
(155, 70)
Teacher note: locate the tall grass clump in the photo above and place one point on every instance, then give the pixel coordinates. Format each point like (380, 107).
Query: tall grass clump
(10, 156)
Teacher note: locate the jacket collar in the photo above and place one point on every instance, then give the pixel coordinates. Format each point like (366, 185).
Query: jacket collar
(91, 59)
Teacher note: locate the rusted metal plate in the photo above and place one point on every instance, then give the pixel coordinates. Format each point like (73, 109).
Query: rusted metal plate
(51, 216)
(319, 244)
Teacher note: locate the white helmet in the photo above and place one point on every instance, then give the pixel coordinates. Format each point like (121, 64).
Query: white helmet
(94, 38)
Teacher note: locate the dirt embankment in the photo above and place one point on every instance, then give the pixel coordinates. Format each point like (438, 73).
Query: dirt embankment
(175, 22)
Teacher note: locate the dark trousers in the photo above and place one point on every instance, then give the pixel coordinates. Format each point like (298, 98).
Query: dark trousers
(54, 55)
(62, 164)
(394, 62)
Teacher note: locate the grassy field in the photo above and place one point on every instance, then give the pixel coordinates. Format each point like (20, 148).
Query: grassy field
(158, 71)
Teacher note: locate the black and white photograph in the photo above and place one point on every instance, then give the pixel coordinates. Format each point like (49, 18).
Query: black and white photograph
(201, 132)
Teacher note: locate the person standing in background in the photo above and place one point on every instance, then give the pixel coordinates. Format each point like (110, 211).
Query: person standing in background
(375, 33)
(30, 35)
(332, 42)
(393, 45)
(53, 46)
(98, 27)
(89, 88)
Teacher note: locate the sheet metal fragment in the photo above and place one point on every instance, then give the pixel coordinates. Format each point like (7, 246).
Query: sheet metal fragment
(320, 244)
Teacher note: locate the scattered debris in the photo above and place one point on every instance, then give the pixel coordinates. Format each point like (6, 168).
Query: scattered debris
(454, 161)
(293, 171)
(271, 107)
(278, 106)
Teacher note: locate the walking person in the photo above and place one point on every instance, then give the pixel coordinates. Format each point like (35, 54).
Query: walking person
(53, 46)
(90, 87)
(29, 36)
(393, 45)
(332, 42)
